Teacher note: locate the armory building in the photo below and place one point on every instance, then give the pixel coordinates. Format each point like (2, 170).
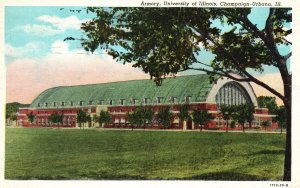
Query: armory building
(119, 98)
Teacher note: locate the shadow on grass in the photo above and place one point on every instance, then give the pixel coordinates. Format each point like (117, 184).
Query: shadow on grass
(227, 176)
(268, 152)
(224, 176)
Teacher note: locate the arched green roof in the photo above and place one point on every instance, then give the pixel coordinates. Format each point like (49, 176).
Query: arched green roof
(195, 86)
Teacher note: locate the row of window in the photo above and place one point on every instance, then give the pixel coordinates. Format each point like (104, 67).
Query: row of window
(110, 102)
(232, 94)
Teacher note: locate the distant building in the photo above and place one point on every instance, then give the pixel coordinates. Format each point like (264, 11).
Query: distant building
(119, 98)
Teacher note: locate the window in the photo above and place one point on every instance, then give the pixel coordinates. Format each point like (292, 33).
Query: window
(46, 104)
(62, 103)
(232, 93)
(159, 99)
(146, 100)
(172, 99)
(54, 104)
(100, 102)
(134, 101)
(71, 103)
(187, 99)
(39, 104)
(90, 102)
(122, 101)
(110, 102)
(80, 103)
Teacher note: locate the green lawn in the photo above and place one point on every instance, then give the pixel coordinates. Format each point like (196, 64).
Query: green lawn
(96, 154)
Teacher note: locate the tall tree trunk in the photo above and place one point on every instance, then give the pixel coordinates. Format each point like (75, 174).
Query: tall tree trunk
(243, 126)
(227, 121)
(288, 149)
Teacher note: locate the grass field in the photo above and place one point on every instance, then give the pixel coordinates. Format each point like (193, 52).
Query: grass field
(97, 154)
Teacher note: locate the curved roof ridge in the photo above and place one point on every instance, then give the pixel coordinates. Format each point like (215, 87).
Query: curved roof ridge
(122, 81)
(193, 85)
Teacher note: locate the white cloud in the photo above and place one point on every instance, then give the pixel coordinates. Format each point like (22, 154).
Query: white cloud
(57, 25)
(42, 30)
(71, 22)
(22, 51)
(59, 47)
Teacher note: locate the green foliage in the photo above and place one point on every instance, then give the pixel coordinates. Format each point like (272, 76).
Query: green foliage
(96, 119)
(184, 112)
(82, 117)
(232, 124)
(243, 113)
(165, 116)
(141, 116)
(126, 155)
(281, 116)
(201, 117)
(265, 124)
(165, 41)
(227, 111)
(12, 109)
(56, 118)
(31, 117)
(268, 102)
(104, 117)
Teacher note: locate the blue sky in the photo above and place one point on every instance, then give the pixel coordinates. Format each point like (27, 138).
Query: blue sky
(34, 38)
(25, 25)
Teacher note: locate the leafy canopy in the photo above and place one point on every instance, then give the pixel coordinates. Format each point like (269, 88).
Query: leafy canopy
(31, 117)
(165, 41)
(82, 116)
(201, 117)
(165, 116)
(141, 116)
(267, 102)
(56, 118)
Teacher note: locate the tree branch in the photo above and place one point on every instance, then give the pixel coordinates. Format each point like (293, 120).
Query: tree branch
(264, 85)
(221, 74)
(249, 78)
(286, 57)
(269, 23)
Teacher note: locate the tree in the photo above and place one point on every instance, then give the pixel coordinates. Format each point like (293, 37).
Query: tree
(141, 116)
(281, 117)
(11, 111)
(183, 114)
(31, 117)
(133, 119)
(82, 117)
(147, 116)
(165, 116)
(89, 120)
(166, 41)
(96, 119)
(104, 117)
(268, 102)
(227, 113)
(266, 124)
(243, 113)
(56, 118)
(201, 117)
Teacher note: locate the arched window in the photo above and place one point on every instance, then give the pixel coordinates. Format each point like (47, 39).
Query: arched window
(232, 94)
